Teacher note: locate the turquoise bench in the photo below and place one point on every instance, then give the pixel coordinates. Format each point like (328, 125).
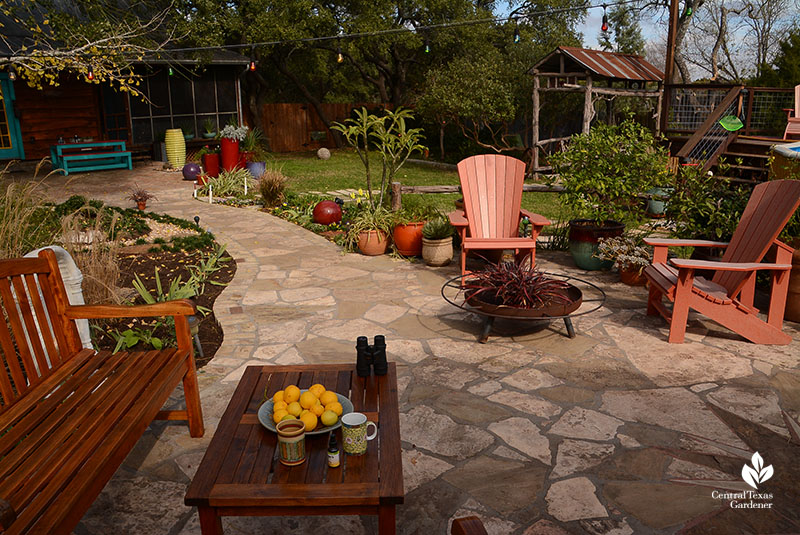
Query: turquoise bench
(90, 156)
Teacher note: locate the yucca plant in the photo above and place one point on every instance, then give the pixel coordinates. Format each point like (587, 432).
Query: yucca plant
(515, 285)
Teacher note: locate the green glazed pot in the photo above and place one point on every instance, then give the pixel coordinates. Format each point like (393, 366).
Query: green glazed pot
(584, 235)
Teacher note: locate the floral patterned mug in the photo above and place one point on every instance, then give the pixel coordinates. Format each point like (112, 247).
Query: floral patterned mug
(354, 431)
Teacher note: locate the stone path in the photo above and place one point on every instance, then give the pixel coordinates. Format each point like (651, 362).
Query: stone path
(535, 433)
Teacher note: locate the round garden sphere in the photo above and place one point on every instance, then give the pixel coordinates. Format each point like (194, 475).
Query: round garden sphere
(323, 154)
(190, 171)
(327, 212)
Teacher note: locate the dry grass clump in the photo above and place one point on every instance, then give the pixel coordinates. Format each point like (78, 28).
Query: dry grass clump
(23, 217)
(83, 236)
(272, 186)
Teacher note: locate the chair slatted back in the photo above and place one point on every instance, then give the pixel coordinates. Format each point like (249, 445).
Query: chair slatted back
(35, 337)
(767, 212)
(492, 188)
(797, 101)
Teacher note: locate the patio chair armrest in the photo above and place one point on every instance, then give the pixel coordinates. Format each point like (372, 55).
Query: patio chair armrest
(683, 263)
(458, 218)
(7, 515)
(666, 242)
(179, 307)
(537, 220)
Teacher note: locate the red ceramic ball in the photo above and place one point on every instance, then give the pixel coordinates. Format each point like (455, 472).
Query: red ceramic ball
(327, 212)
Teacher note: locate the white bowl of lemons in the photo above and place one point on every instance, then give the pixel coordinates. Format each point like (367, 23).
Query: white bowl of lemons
(319, 409)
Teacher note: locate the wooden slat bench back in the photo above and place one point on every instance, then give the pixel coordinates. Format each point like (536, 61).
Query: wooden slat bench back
(68, 415)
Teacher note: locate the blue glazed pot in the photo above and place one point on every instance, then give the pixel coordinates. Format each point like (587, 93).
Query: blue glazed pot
(256, 168)
(655, 207)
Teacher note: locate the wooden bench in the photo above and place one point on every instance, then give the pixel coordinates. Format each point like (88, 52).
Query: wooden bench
(69, 416)
(90, 156)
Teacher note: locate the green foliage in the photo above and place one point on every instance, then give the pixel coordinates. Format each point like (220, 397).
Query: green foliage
(272, 186)
(367, 219)
(437, 229)
(626, 251)
(130, 337)
(604, 169)
(387, 134)
(177, 289)
(704, 206)
(230, 184)
(415, 213)
(785, 68)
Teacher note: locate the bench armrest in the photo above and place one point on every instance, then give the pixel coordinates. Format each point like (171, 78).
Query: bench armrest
(682, 263)
(665, 242)
(537, 220)
(7, 515)
(180, 307)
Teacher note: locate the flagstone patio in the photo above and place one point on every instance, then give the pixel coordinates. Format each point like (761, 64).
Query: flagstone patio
(533, 432)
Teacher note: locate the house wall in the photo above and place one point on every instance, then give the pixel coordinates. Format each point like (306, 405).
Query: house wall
(64, 110)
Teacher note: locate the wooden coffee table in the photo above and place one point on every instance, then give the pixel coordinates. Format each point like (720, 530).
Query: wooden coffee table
(240, 474)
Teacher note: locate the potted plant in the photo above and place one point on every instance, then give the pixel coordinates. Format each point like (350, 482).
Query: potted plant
(230, 137)
(252, 152)
(369, 231)
(437, 242)
(209, 129)
(407, 233)
(603, 171)
(209, 156)
(629, 255)
(519, 290)
(188, 131)
(140, 196)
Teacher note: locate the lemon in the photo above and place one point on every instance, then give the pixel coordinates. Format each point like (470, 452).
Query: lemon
(304, 411)
(335, 407)
(278, 405)
(326, 398)
(278, 415)
(288, 417)
(292, 393)
(294, 408)
(318, 409)
(278, 396)
(317, 389)
(308, 400)
(329, 418)
(310, 420)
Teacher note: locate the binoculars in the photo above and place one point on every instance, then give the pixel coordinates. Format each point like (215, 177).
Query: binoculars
(368, 356)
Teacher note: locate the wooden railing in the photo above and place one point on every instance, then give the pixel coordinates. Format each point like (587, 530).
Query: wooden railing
(710, 140)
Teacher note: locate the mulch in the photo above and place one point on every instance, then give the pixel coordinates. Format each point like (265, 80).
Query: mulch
(170, 265)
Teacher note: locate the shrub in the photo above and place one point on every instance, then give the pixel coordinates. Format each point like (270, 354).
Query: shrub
(229, 184)
(603, 171)
(26, 223)
(437, 229)
(272, 186)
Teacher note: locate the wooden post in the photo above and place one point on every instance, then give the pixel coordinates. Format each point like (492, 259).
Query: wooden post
(587, 104)
(396, 197)
(535, 126)
(659, 105)
(669, 66)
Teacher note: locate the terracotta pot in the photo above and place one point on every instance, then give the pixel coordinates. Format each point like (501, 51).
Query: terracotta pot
(141, 205)
(408, 238)
(437, 252)
(373, 242)
(201, 180)
(631, 276)
(211, 164)
(229, 153)
(244, 157)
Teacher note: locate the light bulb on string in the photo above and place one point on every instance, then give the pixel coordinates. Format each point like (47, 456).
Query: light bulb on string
(339, 55)
(12, 73)
(689, 11)
(170, 71)
(427, 47)
(90, 74)
(252, 66)
(604, 27)
(516, 34)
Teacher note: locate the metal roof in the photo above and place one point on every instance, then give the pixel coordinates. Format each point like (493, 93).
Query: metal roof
(600, 63)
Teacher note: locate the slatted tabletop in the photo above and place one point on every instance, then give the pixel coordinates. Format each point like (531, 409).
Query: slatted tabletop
(240, 474)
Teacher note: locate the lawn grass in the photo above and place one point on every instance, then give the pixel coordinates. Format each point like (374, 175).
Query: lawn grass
(344, 170)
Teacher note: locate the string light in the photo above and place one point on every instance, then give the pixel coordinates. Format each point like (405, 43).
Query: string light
(516, 33)
(90, 75)
(427, 48)
(688, 12)
(170, 71)
(339, 55)
(12, 73)
(604, 27)
(252, 66)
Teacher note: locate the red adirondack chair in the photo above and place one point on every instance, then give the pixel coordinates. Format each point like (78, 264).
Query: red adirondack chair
(492, 188)
(728, 297)
(793, 121)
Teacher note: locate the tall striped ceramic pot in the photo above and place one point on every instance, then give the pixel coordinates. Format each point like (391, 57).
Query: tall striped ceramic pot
(176, 147)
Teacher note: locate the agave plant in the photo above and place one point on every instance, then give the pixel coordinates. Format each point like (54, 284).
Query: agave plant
(515, 285)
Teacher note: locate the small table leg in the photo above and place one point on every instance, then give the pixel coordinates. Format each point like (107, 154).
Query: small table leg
(386, 520)
(570, 328)
(487, 328)
(210, 523)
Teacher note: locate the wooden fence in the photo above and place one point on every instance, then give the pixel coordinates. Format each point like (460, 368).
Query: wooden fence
(292, 127)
